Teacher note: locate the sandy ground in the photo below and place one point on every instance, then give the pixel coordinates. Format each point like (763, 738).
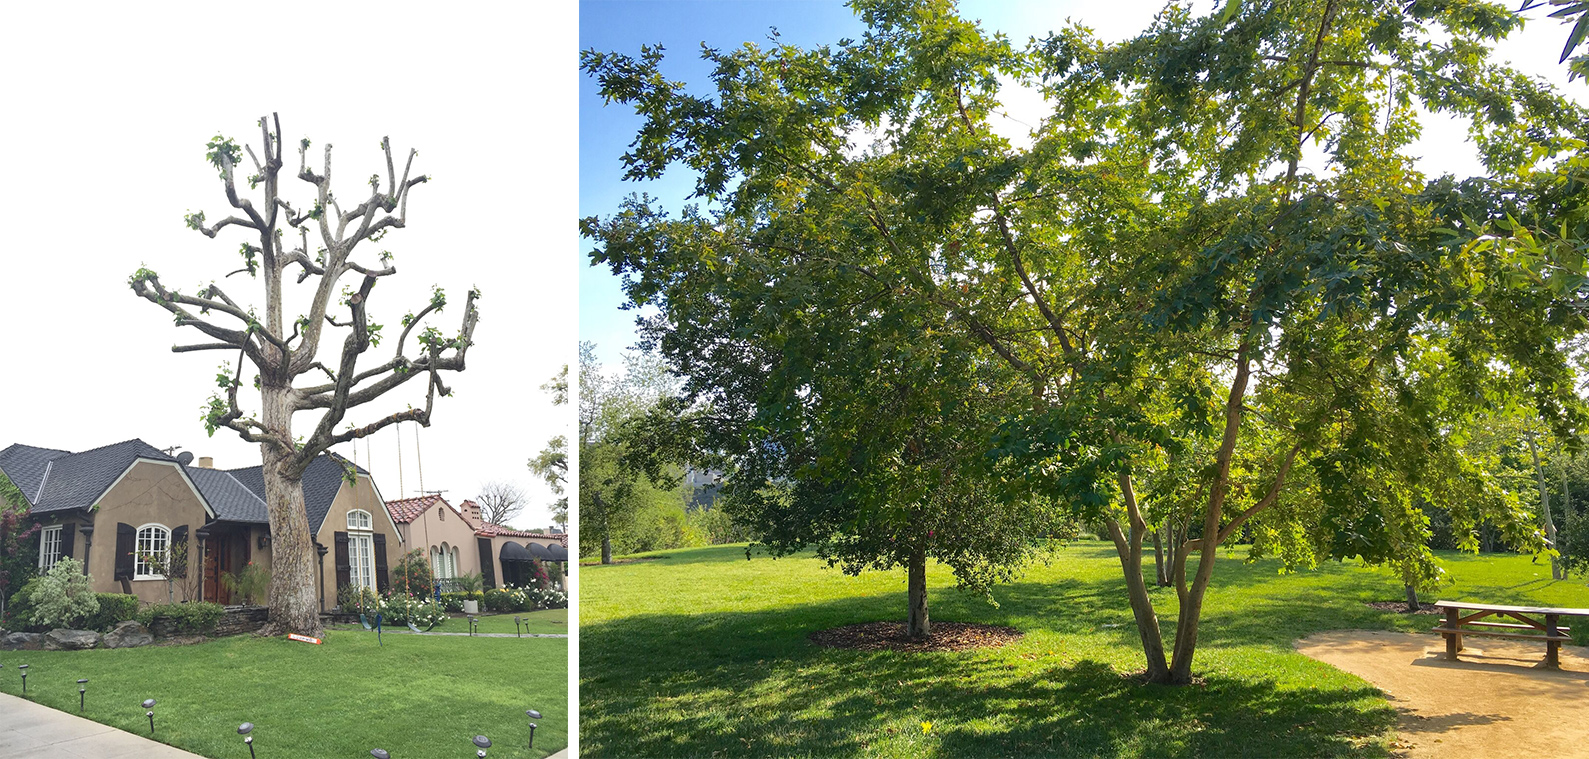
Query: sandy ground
(1496, 701)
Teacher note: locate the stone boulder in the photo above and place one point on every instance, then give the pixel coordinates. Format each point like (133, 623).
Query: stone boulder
(70, 640)
(128, 634)
(20, 641)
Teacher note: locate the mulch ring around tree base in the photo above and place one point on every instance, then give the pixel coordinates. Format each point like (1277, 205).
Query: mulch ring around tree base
(890, 636)
(1400, 607)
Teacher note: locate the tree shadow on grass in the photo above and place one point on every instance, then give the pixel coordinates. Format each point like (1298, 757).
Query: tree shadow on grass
(751, 683)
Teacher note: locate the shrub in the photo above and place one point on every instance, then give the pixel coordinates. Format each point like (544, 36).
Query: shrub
(353, 600)
(452, 602)
(64, 596)
(191, 617)
(19, 610)
(400, 609)
(114, 608)
(251, 583)
(470, 584)
(412, 575)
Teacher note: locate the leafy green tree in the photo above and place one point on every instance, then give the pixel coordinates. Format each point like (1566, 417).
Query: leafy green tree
(283, 348)
(613, 487)
(1212, 261)
(18, 547)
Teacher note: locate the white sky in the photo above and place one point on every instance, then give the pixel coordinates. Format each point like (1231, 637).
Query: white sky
(107, 111)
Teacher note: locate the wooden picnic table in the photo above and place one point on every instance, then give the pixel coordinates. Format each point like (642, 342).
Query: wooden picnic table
(1527, 627)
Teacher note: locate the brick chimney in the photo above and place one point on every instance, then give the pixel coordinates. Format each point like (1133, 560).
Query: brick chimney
(206, 462)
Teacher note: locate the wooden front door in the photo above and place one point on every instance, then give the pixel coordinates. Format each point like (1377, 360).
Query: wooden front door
(217, 559)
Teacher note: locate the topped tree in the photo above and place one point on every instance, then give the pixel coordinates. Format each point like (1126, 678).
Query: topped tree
(282, 351)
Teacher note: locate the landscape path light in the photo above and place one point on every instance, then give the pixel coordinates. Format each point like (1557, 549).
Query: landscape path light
(244, 730)
(516, 621)
(483, 743)
(380, 753)
(24, 669)
(533, 715)
(148, 704)
(82, 694)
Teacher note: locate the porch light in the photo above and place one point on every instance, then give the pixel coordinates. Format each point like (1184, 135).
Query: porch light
(244, 730)
(82, 694)
(483, 743)
(149, 705)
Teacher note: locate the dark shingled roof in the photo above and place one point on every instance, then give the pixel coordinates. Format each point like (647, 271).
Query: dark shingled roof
(72, 480)
(25, 465)
(321, 482)
(231, 500)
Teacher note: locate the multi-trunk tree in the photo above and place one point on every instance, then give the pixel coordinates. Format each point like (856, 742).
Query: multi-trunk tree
(1212, 264)
(291, 374)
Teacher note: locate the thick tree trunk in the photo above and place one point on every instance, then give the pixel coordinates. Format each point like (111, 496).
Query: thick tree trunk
(917, 625)
(1130, 550)
(1412, 598)
(294, 605)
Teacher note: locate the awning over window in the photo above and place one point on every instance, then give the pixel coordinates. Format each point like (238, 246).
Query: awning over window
(512, 551)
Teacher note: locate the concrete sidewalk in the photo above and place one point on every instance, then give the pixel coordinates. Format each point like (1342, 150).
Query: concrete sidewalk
(31, 731)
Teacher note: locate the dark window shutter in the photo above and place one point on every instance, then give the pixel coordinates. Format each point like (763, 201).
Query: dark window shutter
(124, 540)
(179, 565)
(68, 539)
(382, 582)
(488, 563)
(344, 576)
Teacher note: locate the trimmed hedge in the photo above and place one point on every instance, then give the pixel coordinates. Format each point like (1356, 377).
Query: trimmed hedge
(192, 617)
(114, 608)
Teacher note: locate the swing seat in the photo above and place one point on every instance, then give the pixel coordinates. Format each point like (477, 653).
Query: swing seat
(415, 629)
(366, 622)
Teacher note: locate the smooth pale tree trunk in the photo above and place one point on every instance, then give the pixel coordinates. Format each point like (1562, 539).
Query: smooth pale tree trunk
(1158, 561)
(1544, 507)
(294, 605)
(1130, 550)
(917, 625)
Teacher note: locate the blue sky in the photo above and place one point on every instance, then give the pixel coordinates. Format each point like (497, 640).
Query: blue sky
(682, 25)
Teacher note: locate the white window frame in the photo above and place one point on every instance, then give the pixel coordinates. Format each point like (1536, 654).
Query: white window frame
(361, 550)
(140, 568)
(453, 562)
(49, 547)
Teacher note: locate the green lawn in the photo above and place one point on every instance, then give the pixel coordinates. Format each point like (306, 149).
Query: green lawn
(414, 696)
(544, 621)
(704, 653)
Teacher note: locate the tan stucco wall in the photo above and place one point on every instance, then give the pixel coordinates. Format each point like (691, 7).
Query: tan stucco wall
(360, 495)
(440, 524)
(148, 493)
(496, 550)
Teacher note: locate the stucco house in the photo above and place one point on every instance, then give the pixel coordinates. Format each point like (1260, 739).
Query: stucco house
(112, 506)
(459, 541)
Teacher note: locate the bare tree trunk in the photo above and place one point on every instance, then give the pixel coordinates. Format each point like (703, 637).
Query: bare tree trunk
(1412, 598)
(294, 605)
(1544, 507)
(917, 625)
(1130, 550)
(1158, 560)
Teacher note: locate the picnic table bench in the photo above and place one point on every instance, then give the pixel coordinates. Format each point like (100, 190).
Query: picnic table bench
(1527, 627)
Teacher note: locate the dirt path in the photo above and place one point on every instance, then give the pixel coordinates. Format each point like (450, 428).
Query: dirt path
(1493, 702)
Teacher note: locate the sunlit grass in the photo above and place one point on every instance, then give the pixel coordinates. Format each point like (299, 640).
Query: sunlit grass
(704, 653)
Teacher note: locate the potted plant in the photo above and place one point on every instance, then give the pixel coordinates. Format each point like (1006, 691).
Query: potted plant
(471, 584)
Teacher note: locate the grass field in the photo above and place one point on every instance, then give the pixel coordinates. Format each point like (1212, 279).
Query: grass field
(703, 653)
(414, 696)
(544, 621)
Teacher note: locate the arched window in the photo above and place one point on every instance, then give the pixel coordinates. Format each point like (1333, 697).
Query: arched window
(361, 549)
(151, 552)
(455, 561)
(444, 568)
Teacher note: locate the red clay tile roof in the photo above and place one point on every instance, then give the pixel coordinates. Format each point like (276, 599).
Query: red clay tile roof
(493, 530)
(405, 510)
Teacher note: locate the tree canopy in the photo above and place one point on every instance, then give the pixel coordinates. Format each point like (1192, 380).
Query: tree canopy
(1210, 295)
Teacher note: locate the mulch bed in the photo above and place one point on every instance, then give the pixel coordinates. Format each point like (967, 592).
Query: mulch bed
(890, 636)
(1400, 607)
